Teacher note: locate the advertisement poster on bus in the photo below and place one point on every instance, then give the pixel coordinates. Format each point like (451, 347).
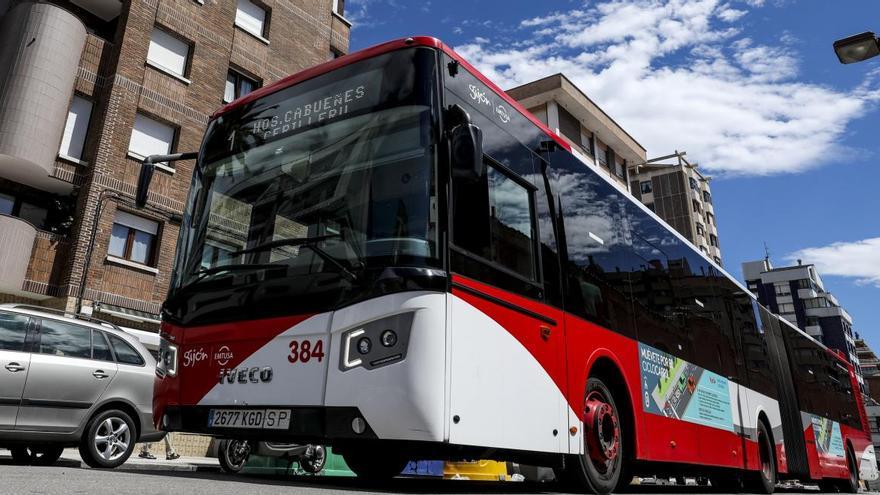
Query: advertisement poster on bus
(677, 389)
(829, 441)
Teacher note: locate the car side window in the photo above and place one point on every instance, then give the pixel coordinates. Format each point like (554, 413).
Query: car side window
(125, 354)
(100, 347)
(61, 339)
(13, 330)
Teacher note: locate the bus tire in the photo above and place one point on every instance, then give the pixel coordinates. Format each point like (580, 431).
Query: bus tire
(600, 468)
(764, 480)
(374, 466)
(851, 484)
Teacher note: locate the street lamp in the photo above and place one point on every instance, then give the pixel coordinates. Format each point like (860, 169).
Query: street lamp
(857, 48)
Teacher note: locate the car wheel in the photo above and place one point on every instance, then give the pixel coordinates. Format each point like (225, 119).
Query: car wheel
(38, 455)
(601, 468)
(314, 463)
(851, 484)
(764, 481)
(233, 455)
(374, 466)
(108, 440)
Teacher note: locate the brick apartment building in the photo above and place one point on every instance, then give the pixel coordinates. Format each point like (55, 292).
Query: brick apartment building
(87, 88)
(594, 136)
(679, 194)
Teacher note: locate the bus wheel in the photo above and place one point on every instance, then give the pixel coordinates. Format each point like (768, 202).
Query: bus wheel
(599, 468)
(373, 465)
(764, 481)
(233, 455)
(851, 484)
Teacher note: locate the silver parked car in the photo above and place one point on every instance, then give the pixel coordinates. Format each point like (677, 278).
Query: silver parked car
(72, 381)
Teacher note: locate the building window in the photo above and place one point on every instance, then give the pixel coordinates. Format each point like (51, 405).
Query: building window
(717, 260)
(786, 308)
(700, 230)
(569, 126)
(650, 206)
(703, 249)
(150, 137)
(609, 157)
(782, 288)
(334, 54)
(710, 218)
(619, 170)
(602, 157)
(252, 18)
(168, 53)
(17, 207)
(693, 183)
(697, 207)
(237, 86)
(587, 143)
(133, 238)
(713, 240)
(339, 7)
(75, 128)
(647, 187)
(707, 197)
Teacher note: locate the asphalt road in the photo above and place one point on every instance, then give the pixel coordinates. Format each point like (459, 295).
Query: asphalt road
(71, 480)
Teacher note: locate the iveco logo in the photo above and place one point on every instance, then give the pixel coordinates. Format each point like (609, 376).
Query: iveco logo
(246, 375)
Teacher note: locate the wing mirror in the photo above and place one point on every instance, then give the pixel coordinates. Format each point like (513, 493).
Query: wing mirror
(467, 145)
(148, 167)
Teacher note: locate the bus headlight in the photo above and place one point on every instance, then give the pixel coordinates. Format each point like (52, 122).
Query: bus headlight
(389, 338)
(167, 364)
(392, 332)
(364, 345)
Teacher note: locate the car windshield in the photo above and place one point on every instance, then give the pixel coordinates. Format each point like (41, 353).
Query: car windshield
(327, 178)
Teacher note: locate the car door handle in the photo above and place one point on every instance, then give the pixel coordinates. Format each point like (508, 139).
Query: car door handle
(99, 374)
(14, 367)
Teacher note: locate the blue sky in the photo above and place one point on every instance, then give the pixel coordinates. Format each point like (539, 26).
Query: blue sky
(751, 89)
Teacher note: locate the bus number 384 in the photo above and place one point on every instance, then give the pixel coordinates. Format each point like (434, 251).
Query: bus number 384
(303, 351)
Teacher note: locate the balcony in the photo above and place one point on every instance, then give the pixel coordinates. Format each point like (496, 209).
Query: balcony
(107, 10)
(16, 245)
(814, 330)
(40, 48)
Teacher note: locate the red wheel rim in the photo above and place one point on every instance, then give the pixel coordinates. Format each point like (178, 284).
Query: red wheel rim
(602, 431)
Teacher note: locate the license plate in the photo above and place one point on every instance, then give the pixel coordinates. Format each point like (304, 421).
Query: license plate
(272, 419)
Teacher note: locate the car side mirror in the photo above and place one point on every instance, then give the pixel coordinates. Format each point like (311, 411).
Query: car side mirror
(467, 145)
(148, 167)
(143, 186)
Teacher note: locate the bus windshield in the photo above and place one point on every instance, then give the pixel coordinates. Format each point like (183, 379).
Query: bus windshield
(326, 179)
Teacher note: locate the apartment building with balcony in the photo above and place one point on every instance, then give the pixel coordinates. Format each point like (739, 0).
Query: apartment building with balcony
(870, 366)
(797, 294)
(90, 87)
(594, 136)
(679, 194)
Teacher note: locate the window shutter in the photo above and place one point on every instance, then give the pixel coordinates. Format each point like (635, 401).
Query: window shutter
(136, 222)
(149, 137)
(250, 17)
(168, 52)
(75, 129)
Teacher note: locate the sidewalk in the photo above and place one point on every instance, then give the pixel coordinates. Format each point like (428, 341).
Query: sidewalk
(135, 463)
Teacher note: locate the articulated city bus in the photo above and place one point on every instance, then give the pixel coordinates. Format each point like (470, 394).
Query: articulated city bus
(388, 255)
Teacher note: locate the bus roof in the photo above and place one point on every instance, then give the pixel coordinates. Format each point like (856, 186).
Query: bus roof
(427, 41)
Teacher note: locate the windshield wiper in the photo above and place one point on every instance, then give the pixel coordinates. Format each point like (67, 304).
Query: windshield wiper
(306, 242)
(204, 272)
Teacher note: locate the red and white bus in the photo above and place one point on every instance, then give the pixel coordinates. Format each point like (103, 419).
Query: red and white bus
(387, 254)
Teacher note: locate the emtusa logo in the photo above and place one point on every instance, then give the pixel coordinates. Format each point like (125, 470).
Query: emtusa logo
(223, 355)
(193, 357)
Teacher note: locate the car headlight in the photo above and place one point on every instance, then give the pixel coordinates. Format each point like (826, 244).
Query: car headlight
(392, 333)
(167, 364)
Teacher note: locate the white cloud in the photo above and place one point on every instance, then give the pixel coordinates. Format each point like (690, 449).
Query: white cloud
(859, 260)
(677, 77)
(731, 15)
